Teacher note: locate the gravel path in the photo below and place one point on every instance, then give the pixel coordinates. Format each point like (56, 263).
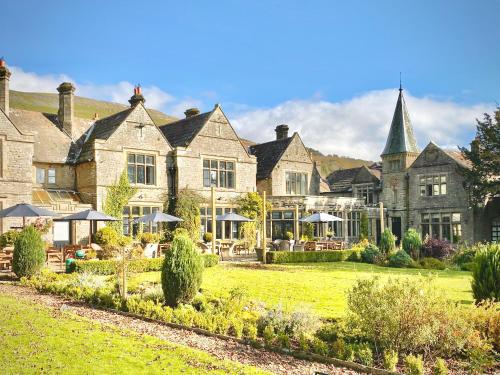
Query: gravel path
(222, 349)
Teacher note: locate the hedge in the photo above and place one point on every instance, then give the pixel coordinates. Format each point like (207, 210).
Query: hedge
(108, 267)
(308, 256)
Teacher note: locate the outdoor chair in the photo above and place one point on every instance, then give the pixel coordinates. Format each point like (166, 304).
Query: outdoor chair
(284, 245)
(298, 247)
(310, 246)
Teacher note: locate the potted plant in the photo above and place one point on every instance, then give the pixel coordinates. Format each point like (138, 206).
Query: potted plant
(207, 237)
(289, 238)
(330, 234)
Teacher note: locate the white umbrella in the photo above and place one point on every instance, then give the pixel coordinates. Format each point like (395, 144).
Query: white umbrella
(320, 217)
(232, 217)
(157, 217)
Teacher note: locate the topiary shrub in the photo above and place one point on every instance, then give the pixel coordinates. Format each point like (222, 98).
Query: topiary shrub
(181, 272)
(207, 237)
(412, 242)
(486, 273)
(401, 259)
(436, 248)
(29, 253)
(387, 242)
(370, 253)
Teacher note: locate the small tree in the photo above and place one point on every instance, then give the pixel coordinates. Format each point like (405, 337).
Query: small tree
(363, 226)
(186, 205)
(248, 233)
(308, 230)
(181, 272)
(412, 243)
(29, 252)
(251, 206)
(117, 198)
(486, 273)
(387, 242)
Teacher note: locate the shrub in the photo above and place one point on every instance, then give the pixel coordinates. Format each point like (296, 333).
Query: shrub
(307, 231)
(108, 267)
(414, 365)
(8, 238)
(486, 319)
(390, 360)
(464, 256)
(432, 264)
(412, 242)
(387, 242)
(401, 259)
(283, 340)
(319, 347)
(29, 253)
(361, 245)
(207, 237)
(364, 355)
(338, 348)
(106, 236)
(363, 226)
(307, 256)
(407, 316)
(436, 248)
(181, 272)
(186, 205)
(486, 273)
(369, 254)
(146, 238)
(268, 336)
(300, 322)
(288, 236)
(210, 260)
(440, 367)
(180, 232)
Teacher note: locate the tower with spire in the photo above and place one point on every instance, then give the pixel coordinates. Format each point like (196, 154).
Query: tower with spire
(399, 153)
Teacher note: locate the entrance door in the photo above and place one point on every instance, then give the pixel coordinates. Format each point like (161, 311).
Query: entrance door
(396, 229)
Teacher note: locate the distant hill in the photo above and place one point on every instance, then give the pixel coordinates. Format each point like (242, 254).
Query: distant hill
(329, 163)
(84, 107)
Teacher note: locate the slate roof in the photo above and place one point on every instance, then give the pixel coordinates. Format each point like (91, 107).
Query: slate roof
(459, 158)
(340, 181)
(52, 145)
(101, 129)
(268, 155)
(181, 133)
(401, 138)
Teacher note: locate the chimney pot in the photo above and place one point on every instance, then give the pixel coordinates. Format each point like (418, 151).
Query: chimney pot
(137, 97)
(190, 112)
(281, 131)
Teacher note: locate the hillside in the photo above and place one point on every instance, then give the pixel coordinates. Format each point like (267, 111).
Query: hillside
(84, 107)
(329, 163)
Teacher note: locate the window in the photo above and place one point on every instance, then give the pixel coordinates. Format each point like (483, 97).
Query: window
(444, 226)
(131, 212)
(282, 222)
(45, 175)
(223, 230)
(394, 165)
(296, 183)
(495, 230)
(218, 173)
(366, 192)
(353, 223)
(336, 226)
(141, 169)
(432, 185)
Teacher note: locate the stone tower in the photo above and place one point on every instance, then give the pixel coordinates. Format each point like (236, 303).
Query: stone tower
(399, 153)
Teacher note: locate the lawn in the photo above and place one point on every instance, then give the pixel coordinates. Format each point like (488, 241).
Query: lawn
(319, 285)
(37, 340)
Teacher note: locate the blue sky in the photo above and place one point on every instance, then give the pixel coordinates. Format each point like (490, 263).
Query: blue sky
(306, 63)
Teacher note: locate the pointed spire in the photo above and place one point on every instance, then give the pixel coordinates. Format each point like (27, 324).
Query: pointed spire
(401, 138)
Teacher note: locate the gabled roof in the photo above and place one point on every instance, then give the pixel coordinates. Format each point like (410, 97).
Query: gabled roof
(101, 129)
(401, 138)
(181, 133)
(459, 157)
(268, 155)
(340, 181)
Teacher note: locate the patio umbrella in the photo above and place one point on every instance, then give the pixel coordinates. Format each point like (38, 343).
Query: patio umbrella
(320, 217)
(157, 217)
(25, 210)
(232, 217)
(89, 215)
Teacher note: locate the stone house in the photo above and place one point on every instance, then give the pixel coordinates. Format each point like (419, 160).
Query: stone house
(65, 163)
(208, 153)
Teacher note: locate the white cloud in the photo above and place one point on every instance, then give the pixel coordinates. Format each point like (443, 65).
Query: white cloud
(117, 92)
(358, 127)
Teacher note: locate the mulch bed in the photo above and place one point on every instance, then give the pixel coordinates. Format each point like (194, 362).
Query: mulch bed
(222, 349)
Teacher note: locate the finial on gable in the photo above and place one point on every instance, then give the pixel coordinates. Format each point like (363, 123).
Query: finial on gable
(137, 97)
(400, 84)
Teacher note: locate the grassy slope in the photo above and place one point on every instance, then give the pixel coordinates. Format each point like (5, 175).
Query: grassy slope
(35, 340)
(320, 285)
(329, 163)
(84, 107)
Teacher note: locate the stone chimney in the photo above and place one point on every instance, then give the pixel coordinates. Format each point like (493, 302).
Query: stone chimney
(137, 97)
(66, 113)
(190, 112)
(281, 131)
(4, 86)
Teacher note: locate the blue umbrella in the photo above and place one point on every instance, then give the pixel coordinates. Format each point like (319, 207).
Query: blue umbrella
(25, 210)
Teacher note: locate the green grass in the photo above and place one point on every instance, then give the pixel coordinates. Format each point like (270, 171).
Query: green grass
(34, 340)
(320, 285)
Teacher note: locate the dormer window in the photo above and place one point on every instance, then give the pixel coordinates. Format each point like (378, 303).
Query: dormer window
(45, 176)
